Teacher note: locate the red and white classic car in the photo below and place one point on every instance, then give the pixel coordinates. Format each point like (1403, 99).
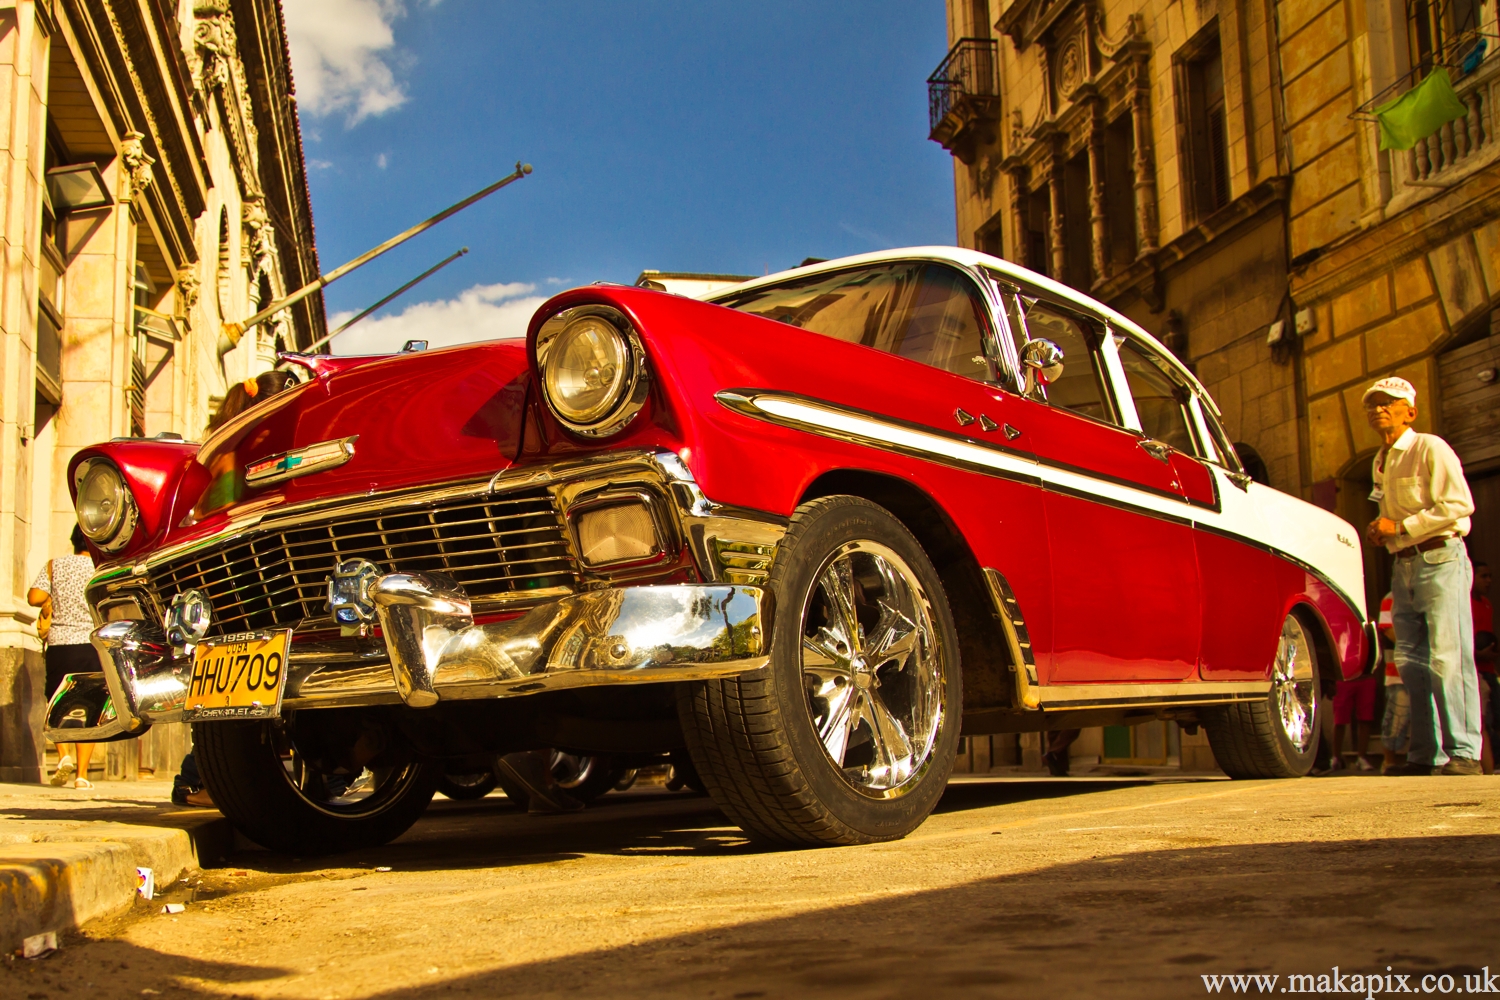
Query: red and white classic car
(812, 530)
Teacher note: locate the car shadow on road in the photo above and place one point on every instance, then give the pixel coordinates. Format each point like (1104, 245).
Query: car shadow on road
(1148, 924)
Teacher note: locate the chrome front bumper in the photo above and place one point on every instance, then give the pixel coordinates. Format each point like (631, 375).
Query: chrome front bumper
(434, 652)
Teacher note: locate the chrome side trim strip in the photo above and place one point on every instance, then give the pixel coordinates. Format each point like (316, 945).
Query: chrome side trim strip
(1023, 662)
(872, 430)
(1055, 696)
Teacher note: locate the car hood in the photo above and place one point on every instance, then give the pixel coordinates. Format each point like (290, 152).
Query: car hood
(408, 420)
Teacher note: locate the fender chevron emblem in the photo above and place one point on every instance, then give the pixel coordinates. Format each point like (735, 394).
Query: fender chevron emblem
(301, 462)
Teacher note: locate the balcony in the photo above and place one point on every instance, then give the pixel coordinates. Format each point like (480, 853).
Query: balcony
(1457, 150)
(963, 98)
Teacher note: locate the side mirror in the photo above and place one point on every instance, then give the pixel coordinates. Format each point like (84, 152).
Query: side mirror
(1043, 363)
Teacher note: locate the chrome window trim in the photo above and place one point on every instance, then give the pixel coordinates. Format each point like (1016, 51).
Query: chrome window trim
(1119, 385)
(1207, 449)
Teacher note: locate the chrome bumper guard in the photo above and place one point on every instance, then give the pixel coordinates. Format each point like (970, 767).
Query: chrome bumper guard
(622, 635)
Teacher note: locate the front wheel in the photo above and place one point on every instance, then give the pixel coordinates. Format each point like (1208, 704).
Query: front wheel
(849, 734)
(278, 798)
(1277, 737)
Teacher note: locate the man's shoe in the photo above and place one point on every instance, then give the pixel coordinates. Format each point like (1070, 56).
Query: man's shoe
(1057, 763)
(1412, 770)
(1461, 765)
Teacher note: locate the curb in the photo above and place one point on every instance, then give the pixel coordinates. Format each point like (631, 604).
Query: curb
(55, 879)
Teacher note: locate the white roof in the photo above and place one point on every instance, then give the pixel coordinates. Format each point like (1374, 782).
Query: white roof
(973, 260)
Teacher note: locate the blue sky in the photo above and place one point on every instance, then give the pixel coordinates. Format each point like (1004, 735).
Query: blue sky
(703, 136)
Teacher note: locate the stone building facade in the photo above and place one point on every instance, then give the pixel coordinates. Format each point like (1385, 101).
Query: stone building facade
(152, 187)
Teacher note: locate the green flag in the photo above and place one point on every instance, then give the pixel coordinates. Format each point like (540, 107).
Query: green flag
(1419, 112)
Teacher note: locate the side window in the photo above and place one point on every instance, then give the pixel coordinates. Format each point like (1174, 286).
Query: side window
(1081, 387)
(942, 326)
(846, 305)
(922, 311)
(1159, 400)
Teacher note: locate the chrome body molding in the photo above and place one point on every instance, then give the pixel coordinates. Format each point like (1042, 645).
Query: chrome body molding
(1073, 696)
(300, 462)
(1017, 637)
(616, 636)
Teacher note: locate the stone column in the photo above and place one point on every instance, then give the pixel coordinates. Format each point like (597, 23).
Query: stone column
(1018, 222)
(1098, 223)
(1059, 203)
(24, 52)
(1145, 160)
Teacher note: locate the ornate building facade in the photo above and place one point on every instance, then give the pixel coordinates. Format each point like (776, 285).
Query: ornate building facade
(152, 188)
(1211, 169)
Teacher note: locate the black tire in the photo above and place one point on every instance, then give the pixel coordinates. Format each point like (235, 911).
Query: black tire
(466, 787)
(755, 742)
(242, 767)
(1274, 738)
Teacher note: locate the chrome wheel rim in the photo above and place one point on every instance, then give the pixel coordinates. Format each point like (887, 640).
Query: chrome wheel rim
(871, 669)
(346, 796)
(572, 770)
(1292, 685)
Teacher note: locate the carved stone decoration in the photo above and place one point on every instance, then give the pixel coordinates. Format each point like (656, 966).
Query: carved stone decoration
(137, 173)
(219, 76)
(1018, 224)
(260, 245)
(187, 293)
(1070, 67)
(1059, 209)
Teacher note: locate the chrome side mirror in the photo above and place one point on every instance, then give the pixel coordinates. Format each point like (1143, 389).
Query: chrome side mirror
(1042, 361)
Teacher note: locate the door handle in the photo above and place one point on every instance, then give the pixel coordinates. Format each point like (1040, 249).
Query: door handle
(1159, 450)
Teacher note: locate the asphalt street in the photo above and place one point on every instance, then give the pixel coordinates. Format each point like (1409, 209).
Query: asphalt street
(1015, 887)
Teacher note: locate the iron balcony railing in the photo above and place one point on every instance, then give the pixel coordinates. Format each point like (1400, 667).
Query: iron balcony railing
(968, 70)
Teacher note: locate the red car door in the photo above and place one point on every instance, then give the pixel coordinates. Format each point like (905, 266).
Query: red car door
(1125, 595)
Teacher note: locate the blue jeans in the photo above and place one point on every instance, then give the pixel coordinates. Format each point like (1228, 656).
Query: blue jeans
(1435, 653)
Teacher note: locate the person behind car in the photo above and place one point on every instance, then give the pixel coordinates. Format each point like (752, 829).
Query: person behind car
(1484, 658)
(1395, 723)
(58, 591)
(1425, 505)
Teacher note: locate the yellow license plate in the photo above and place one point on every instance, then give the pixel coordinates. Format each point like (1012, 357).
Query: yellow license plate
(238, 677)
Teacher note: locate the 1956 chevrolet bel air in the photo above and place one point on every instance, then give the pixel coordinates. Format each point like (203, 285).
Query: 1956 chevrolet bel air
(812, 530)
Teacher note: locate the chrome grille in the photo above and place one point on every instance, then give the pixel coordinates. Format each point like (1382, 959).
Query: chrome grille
(492, 546)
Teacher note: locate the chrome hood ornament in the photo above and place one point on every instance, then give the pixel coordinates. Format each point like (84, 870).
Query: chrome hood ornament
(300, 462)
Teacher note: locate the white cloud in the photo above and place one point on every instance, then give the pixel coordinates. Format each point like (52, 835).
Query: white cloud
(381, 161)
(483, 312)
(342, 51)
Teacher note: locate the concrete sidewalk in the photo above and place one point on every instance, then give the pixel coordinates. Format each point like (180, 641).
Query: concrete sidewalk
(69, 856)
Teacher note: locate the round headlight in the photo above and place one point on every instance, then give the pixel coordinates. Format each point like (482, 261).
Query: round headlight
(587, 370)
(106, 510)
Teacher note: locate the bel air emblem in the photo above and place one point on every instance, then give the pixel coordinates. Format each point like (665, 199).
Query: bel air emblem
(291, 464)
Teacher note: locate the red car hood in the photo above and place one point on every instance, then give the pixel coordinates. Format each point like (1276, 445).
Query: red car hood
(415, 419)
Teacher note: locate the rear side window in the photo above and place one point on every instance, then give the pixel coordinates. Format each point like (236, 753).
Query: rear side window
(1159, 401)
(922, 311)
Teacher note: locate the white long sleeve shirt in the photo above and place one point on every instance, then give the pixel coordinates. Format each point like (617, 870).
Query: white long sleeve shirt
(1419, 484)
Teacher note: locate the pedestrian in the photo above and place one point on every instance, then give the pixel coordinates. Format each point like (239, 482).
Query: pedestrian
(1425, 505)
(1395, 723)
(58, 591)
(1354, 709)
(1484, 659)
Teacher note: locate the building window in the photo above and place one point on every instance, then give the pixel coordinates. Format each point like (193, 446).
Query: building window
(1119, 191)
(1439, 31)
(979, 18)
(1202, 129)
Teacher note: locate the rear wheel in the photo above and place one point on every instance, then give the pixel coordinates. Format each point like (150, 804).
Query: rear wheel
(849, 735)
(1277, 737)
(276, 797)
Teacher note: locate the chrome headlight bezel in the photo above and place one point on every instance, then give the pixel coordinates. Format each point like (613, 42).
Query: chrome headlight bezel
(631, 382)
(114, 532)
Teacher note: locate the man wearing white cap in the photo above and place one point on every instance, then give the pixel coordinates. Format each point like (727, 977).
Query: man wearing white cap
(1425, 505)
